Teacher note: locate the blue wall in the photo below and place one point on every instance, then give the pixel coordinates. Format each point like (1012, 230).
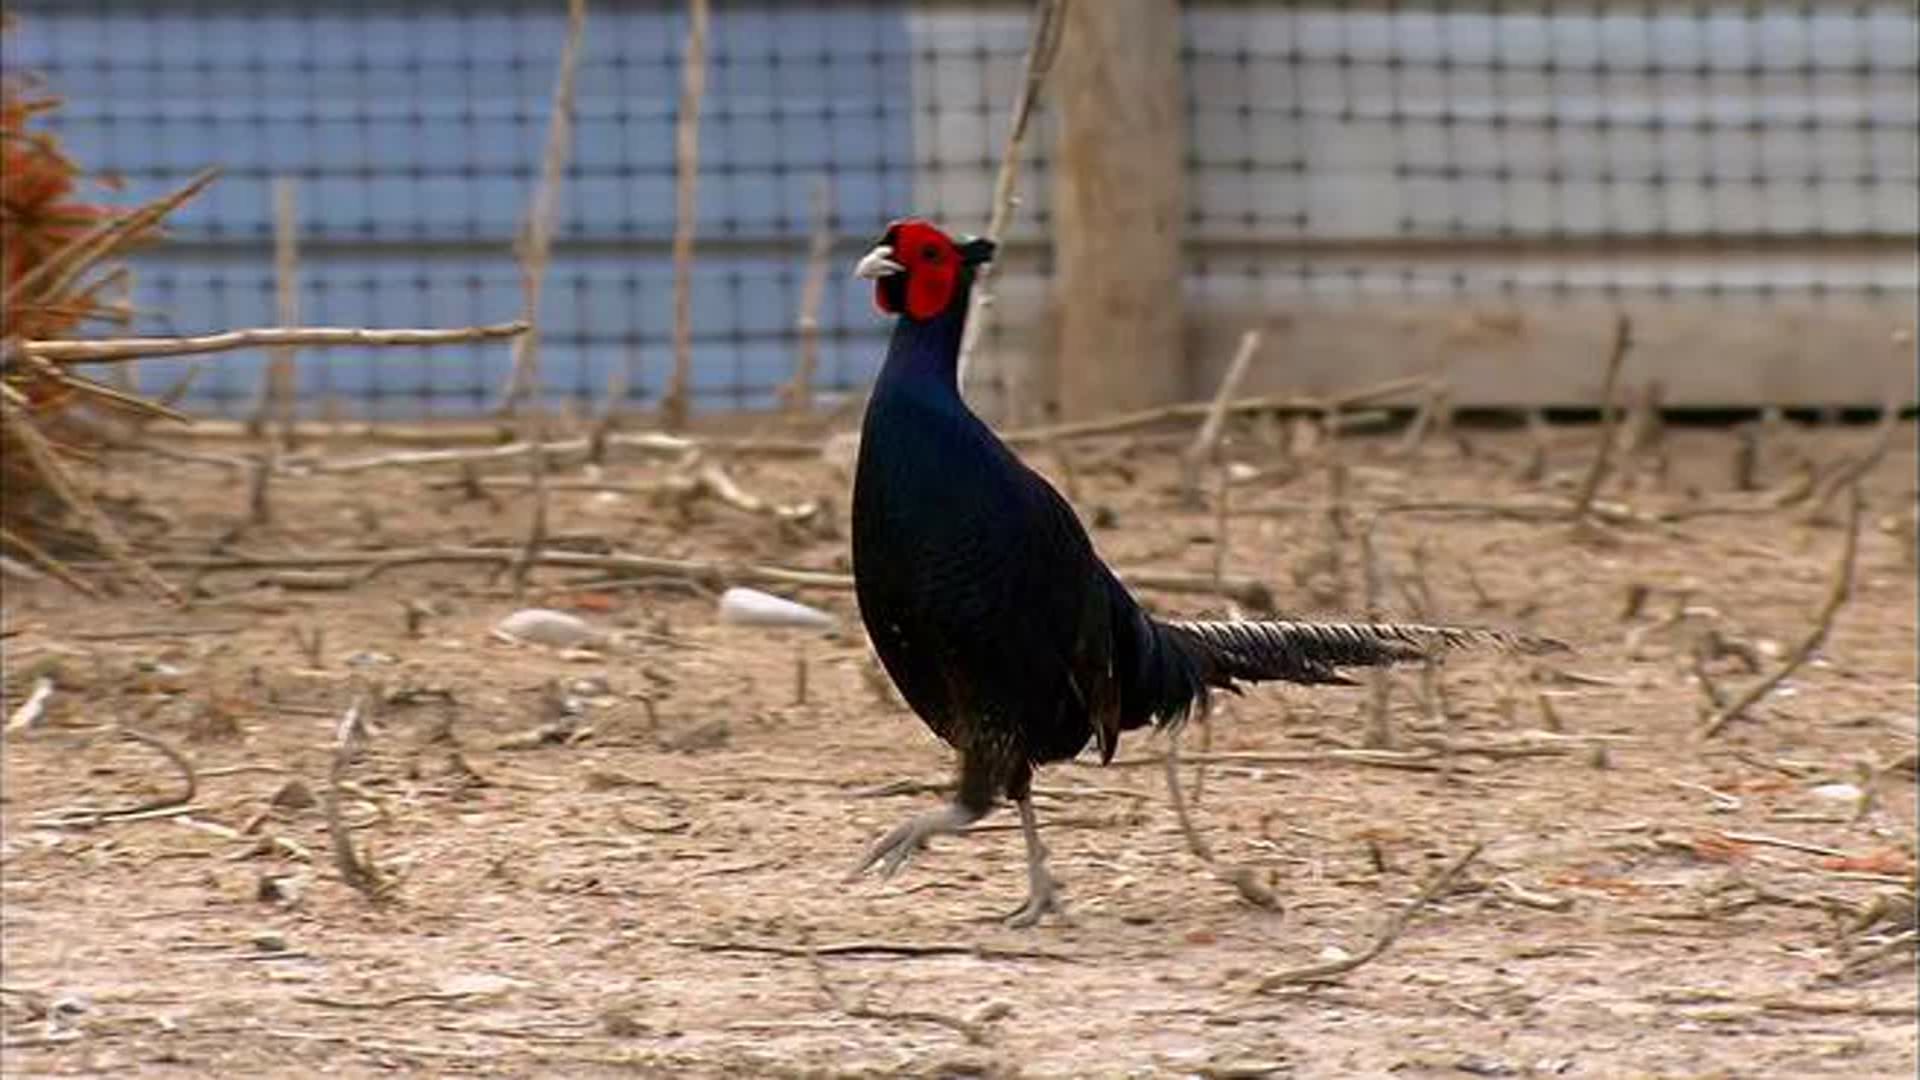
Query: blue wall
(416, 138)
(1687, 153)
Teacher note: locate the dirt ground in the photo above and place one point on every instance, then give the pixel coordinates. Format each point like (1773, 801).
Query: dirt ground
(631, 859)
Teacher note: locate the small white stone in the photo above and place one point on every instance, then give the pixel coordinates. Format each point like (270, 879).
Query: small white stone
(751, 607)
(541, 626)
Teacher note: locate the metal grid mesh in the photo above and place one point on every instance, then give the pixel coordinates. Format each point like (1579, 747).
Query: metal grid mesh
(1397, 150)
(1675, 150)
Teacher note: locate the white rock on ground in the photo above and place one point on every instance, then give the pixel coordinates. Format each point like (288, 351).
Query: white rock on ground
(751, 607)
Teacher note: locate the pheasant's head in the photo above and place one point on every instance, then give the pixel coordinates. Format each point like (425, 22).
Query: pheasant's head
(919, 271)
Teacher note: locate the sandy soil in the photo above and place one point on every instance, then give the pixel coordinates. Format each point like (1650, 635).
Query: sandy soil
(648, 878)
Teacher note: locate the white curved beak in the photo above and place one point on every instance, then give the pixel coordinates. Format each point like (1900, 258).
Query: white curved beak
(877, 264)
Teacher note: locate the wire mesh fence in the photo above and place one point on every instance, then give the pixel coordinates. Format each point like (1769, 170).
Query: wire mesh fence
(1673, 152)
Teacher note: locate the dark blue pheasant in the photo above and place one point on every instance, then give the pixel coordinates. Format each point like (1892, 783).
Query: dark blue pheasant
(987, 603)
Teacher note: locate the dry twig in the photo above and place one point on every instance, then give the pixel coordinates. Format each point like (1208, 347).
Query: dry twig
(1746, 458)
(863, 1009)
(1778, 1003)
(355, 871)
(88, 816)
(1904, 941)
(45, 560)
(708, 478)
(651, 442)
(536, 528)
(114, 350)
(1395, 926)
(277, 389)
(655, 442)
(28, 436)
(259, 486)
(1822, 626)
(797, 395)
(871, 948)
(1198, 410)
(1609, 419)
(1850, 473)
(34, 709)
(311, 641)
(1533, 898)
(1645, 423)
(1540, 437)
(1222, 522)
(1434, 414)
(430, 997)
(719, 483)
(1248, 591)
(1784, 843)
(1042, 46)
(1380, 733)
(536, 233)
(86, 249)
(1206, 441)
(686, 196)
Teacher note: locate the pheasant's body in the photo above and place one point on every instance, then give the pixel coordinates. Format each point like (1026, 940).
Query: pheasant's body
(978, 586)
(987, 603)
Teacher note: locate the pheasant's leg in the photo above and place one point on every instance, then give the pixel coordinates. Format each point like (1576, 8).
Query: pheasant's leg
(892, 851)
(1043, 892)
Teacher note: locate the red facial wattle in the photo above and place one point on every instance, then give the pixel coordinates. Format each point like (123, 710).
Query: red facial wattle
(931, 271)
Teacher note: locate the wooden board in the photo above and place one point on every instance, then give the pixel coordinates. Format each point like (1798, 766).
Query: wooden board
(1119, 206)
(1553, 354)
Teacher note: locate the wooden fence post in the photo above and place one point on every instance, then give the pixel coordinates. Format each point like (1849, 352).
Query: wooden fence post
(1119, 208)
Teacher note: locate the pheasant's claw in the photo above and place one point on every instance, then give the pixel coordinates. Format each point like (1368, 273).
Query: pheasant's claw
(1043, 891)
(1043, 898)
(900, 852)
(892, 852)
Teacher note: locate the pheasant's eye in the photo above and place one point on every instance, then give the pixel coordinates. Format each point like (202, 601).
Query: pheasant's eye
(930, 253)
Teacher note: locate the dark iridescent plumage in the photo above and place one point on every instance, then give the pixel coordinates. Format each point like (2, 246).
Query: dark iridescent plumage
(990, 609)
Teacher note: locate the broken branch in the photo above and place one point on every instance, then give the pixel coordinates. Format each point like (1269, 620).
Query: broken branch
(1248, 591)
(1042, 46)
(1822, 626)
(797, 395)
(87, 816)
(1194, 410)
(1389, 933)
(1851, 472)
(686, 195)
(1206, 441)
(353, 870)
(536, 236)
(1609, 419)
(109, 350)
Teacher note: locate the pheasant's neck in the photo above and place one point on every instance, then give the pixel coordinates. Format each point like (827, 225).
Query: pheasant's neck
(923, 358)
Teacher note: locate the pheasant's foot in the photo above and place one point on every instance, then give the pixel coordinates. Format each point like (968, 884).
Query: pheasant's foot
(894, 850)
(1043, 897)
(1043, 891)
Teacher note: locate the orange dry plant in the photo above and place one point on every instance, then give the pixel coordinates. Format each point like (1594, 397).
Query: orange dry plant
(59, 257)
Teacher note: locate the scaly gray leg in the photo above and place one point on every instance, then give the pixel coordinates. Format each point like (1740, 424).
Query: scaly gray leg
(1043, 892)
(892, 851)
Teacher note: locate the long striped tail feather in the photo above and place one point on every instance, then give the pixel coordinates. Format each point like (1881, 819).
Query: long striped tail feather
(1313, 652)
